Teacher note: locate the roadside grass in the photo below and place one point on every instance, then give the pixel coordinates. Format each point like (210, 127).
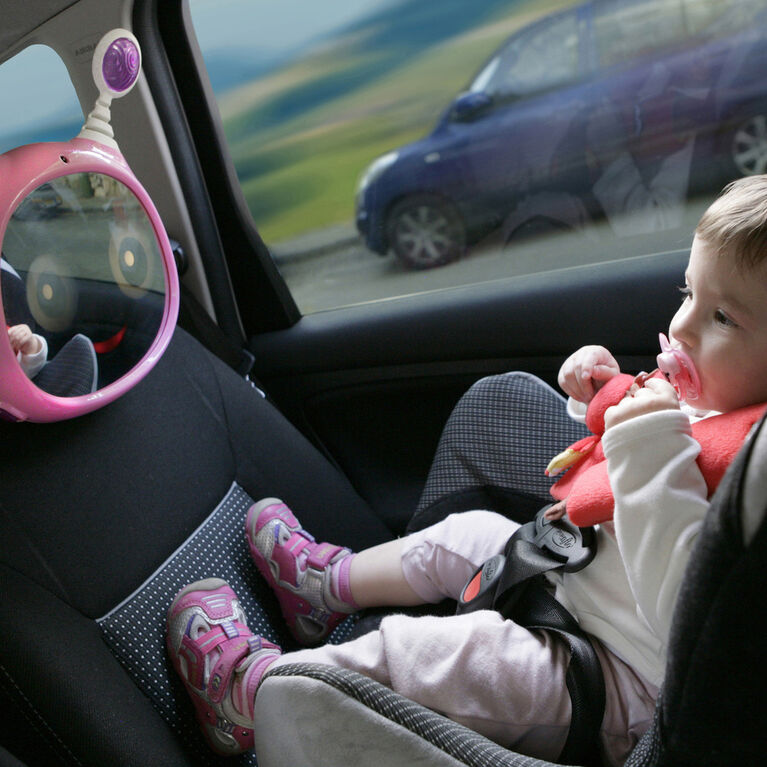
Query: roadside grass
(316, 189)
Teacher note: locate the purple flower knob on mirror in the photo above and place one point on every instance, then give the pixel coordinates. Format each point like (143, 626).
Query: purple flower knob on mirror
(121, 64)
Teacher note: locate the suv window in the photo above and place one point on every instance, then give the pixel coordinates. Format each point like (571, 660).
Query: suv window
(543, 57)
(714, 17)
(39, 98)
(625, 30)
(379, 155)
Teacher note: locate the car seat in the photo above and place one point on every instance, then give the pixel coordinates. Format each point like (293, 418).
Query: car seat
(74, 371)
(104, 517)
(711, 711)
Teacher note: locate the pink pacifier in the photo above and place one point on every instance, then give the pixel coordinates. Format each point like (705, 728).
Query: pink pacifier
(679, 369)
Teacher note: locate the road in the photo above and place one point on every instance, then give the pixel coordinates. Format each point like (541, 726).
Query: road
(332, 268)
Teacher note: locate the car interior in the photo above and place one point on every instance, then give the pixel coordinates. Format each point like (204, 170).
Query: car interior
(338, 411)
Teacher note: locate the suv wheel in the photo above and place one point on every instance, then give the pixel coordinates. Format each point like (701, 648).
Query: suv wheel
(748, 145)
(426, 231)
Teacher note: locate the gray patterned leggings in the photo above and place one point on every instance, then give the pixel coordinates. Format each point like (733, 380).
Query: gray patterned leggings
(494, 449)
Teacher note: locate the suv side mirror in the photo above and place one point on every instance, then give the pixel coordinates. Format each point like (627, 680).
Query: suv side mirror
(470, 105)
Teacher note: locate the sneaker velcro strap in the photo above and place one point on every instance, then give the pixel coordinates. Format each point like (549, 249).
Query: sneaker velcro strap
(195, 650)
(297, 542)
(233, 650)
(322, 555)
(217, 635)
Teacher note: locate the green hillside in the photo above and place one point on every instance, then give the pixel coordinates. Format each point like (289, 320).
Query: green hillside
(301, 137)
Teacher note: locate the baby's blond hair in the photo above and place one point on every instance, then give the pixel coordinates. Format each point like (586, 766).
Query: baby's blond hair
(736, 222)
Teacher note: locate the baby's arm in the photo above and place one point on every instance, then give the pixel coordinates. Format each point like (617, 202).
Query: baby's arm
(32, 348)
(660, 501)
(585, 371)
(23, 340)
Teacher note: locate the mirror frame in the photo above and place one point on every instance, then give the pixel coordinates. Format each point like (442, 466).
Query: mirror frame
(22, 170)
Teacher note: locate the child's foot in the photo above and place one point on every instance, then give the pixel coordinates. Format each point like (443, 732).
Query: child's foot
(311, 580)
(220, 661)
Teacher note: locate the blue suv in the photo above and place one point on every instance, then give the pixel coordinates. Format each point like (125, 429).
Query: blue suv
(567, 115)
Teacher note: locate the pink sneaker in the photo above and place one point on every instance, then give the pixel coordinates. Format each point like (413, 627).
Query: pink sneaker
(311, 580)
(219, 660)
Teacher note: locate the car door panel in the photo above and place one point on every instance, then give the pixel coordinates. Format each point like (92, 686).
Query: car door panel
(374, 384)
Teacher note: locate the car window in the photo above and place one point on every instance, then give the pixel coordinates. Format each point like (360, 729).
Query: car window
(536, 59)
(715, 17)
(40, 103)
(378, 156)
(624, 30)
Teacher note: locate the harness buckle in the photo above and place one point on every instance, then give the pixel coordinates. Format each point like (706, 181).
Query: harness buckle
(539, 546)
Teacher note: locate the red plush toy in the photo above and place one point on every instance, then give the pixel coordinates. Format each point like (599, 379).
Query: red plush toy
(586, 487)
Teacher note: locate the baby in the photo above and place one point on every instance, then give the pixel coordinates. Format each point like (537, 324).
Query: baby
(496, 677)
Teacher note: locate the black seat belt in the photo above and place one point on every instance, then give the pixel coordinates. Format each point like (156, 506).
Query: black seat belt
(195, 319)
(513, 583)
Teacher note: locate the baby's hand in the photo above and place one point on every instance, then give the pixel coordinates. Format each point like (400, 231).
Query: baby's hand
(586, 371)
(23, 340)
(656, 394)
(555, 511)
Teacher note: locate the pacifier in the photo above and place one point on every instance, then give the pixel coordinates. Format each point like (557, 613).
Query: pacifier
(679, 369)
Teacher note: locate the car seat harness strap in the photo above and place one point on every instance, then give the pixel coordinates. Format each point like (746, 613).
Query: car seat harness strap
(513, 583)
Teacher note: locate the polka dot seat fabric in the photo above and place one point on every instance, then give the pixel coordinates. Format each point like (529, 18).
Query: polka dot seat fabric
(135, 629)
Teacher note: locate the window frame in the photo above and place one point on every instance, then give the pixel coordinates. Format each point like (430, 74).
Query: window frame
(49, 131)
(249, 295)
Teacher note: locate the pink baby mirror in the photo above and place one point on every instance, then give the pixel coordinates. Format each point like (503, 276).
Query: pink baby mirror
(89, 287)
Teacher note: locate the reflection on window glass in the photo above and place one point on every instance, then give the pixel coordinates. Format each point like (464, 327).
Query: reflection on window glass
(717, 17)
(39, 99)
(627, 30)
(543, 58)
(379, 155)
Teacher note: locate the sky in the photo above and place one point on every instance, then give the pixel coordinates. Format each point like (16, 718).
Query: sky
(275, 24)
(35, 88)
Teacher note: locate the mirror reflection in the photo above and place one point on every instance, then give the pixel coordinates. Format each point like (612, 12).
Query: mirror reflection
(83, 284)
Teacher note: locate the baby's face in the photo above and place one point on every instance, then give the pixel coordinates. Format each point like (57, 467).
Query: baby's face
(722, 325)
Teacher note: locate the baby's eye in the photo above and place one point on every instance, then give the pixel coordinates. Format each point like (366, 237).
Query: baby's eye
(722, 319)
(686, 292)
